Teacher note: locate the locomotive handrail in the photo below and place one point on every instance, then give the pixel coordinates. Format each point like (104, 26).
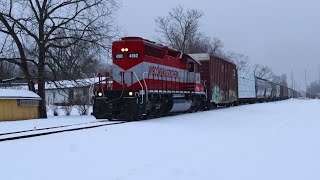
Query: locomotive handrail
(145, 84)
(205, 87)
(140, 85)
(91, 88)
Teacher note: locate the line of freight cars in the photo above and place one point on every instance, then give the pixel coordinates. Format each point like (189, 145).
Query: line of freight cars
(253, 89)
(227, 86)
(150, 80)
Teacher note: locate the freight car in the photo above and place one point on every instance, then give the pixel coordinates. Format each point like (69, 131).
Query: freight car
(246, 87)
(220, 77)
(149, 80)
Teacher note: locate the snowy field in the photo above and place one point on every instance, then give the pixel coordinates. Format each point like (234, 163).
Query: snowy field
(252, 142)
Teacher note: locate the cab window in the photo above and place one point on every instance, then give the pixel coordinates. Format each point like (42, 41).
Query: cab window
(190, 66)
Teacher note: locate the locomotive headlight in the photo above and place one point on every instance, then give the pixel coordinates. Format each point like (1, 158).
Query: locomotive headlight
(130, 93)
(124, 49)
(100, 94)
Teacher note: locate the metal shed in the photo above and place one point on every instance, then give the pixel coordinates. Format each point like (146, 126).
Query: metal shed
(18, 105)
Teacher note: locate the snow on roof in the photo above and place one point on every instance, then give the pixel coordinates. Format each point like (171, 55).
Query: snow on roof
(200, 57)
(18, 94)
(61, 84)
(69, 83)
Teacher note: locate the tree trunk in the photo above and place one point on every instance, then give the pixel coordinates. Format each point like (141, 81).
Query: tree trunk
(41, 92)
(41, 82)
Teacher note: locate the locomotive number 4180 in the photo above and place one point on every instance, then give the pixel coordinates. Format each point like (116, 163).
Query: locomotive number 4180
(133, 55)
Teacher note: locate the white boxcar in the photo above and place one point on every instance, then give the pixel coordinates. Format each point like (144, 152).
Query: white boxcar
(268, 89)
(261, 88)
(246, 85)
(278, 91)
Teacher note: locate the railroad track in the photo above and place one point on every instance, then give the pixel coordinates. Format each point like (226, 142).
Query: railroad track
(56, 129)
(48, 128)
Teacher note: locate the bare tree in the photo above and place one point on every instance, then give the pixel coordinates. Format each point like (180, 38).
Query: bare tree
(241, 60)
(276, 79)
(180, 28)
(76, 62)
(313, 90)
(263, 72)
(40, 24)
(8, 71)
(204, 44)
(281, 80)
(215, 46)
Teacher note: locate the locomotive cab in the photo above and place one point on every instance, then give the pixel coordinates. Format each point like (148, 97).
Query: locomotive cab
(193, 75)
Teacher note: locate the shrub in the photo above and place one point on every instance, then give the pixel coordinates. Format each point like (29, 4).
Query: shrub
(67, 110)
(83, 109)
(55, 110)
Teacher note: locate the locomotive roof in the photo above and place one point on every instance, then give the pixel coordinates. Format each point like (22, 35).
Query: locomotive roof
(152, 43)
(132, 38)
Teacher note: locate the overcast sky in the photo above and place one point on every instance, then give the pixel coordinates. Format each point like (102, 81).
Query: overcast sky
(283, 34)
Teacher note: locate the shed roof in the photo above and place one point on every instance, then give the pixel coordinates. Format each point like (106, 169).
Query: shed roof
(18, 94)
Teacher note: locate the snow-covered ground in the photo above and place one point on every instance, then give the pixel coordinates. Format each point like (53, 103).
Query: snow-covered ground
(259, 141)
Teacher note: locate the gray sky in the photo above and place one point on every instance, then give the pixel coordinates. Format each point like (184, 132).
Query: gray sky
(283, 34)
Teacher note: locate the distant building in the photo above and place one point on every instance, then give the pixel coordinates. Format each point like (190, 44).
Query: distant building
(65, 92)
(68, 92)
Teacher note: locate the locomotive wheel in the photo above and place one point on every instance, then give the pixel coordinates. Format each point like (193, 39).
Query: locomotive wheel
(191, 110)
(162, 110)
(214, 106)
(148, 115)
(133, 118)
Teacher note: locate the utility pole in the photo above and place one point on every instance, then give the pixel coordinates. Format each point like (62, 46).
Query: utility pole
(291, 79)
(319, 74)
(305, 78)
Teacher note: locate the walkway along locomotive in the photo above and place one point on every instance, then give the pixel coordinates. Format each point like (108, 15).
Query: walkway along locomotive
(149, 80)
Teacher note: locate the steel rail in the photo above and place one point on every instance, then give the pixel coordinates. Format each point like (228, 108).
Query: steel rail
(59, 131)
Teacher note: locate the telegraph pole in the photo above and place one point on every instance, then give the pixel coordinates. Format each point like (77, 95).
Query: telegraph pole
(319, 74)
(305, 78)
(291, 79)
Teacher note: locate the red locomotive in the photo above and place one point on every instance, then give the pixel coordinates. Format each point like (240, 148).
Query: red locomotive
(148, 80)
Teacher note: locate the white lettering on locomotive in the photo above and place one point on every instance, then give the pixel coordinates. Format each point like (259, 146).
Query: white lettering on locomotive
(156, 71)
